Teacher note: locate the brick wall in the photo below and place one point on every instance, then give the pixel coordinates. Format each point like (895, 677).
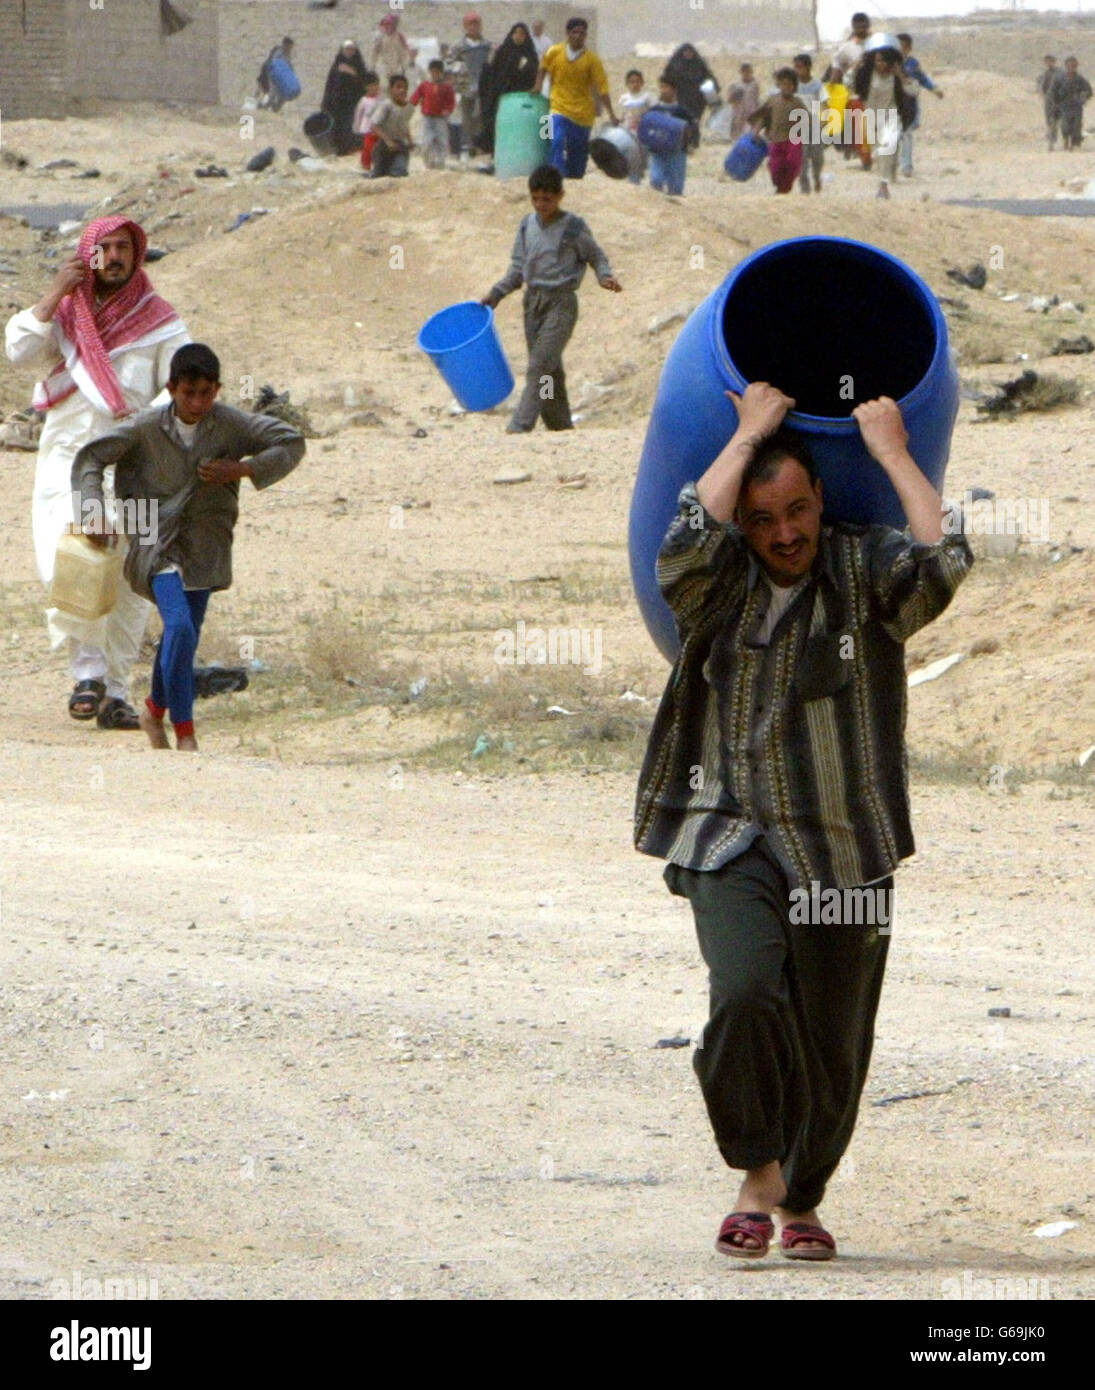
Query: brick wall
(32, 58)
(118, 53)
(250, 28)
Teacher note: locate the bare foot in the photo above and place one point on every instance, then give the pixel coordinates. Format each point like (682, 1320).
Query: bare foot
(761, 1190)
(808, 1218)
(153, 727)
(187, 744)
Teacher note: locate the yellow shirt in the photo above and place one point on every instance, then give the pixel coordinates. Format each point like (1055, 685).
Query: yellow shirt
(572, 83)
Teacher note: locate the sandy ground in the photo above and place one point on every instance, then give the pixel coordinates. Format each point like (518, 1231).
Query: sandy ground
(338, 1009)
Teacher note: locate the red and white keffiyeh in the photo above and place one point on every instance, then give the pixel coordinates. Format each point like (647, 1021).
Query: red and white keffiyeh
(93, 332)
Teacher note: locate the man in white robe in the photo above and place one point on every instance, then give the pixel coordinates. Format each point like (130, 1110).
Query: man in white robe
(108, 340)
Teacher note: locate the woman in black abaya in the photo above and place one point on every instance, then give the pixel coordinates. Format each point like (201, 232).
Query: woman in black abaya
(345, 88)
(688, 72)
(513, 68)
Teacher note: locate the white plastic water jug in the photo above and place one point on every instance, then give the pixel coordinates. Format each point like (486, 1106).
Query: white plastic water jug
(85, 576)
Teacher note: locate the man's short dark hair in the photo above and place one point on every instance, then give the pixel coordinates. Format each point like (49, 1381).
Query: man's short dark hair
(436, 63)
(545, 179)
(765, 463)
(194, 362)
(805, 59)
(860, 18)
(577, 22)
(788, 73)
(394, 81)
(633, 72)
(905, 38)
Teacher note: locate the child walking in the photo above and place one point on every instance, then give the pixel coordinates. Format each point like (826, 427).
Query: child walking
(184, 460)
(363, 122)
(668, 171)
(774, 116)
(812, 92)
(438, 101)
(550, 255)
(634, 104)
(392, 123)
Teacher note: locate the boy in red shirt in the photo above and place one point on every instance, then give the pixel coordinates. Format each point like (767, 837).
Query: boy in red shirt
(438, 101)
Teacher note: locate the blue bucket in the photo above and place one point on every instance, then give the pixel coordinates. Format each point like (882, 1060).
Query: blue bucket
(746, 157)
(463, 345)
(773, 319)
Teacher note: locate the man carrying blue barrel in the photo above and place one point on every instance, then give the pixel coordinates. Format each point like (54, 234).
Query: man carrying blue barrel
(774, 782)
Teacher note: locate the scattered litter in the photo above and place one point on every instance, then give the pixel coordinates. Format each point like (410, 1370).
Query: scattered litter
(61, 164)
(155, 253)
(48, 1095)
(1010, 298)
(1030, 392)
(1086, 755)
(679, 1041)
(482, 743)
(975, 277)
(420, 433)
(574, 484)
(1041, 303)
(512, 475)
(418, 687)
(982, 494)
(1002, 1012)
(309, 161)
(910, 1095)
(211, 171)
(258, 162)
(1072, 346)
(256, 665)
(89, 174)
(455, 408)
(296, 153)
(246, 217)
(557, 709)
(1053, 1229)
(935, 670)
(64, 228)
(630, 695)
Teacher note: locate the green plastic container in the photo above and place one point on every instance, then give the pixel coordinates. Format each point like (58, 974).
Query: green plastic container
(521, 141)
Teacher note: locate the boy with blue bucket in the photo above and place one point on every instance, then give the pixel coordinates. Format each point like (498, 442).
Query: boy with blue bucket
(550, 255)
(186, 459)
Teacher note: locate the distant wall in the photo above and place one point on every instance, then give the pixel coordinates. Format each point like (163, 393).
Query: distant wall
(739, 26)
(118, 53)
(250, 28)
(32, 59)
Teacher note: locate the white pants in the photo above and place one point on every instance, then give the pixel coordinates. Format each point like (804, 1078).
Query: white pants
(107, 648)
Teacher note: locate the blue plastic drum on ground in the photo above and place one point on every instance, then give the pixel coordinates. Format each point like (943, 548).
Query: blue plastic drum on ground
(746, 157)
(463, 345)
(832, 323)
(284, 79)
(662, 133)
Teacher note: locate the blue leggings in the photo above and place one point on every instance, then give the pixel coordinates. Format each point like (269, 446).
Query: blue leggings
(183, 612)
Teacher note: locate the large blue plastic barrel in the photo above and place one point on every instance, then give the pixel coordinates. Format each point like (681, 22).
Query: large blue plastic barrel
(521, 141)
(832, 323)
(463, 345)
(662, 133)
(746, 156)
(284, 79)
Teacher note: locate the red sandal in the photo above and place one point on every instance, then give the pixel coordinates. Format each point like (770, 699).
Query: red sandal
(797, 1233)
(745, 1223)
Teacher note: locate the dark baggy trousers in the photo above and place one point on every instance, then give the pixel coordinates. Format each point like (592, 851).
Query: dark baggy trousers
(550, 316)
(785, 1052)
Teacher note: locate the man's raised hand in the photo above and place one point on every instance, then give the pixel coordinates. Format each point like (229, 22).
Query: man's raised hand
(882, 428)
(761, 409)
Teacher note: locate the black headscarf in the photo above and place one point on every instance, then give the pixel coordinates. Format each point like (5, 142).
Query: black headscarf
(688, 72)
(340, 98)
(513, 68)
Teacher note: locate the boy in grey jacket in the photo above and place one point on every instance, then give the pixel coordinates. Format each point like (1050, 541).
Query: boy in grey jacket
(183, 462)
(550, 255)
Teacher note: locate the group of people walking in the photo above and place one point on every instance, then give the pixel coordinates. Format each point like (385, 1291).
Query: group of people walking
(1065, 91)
